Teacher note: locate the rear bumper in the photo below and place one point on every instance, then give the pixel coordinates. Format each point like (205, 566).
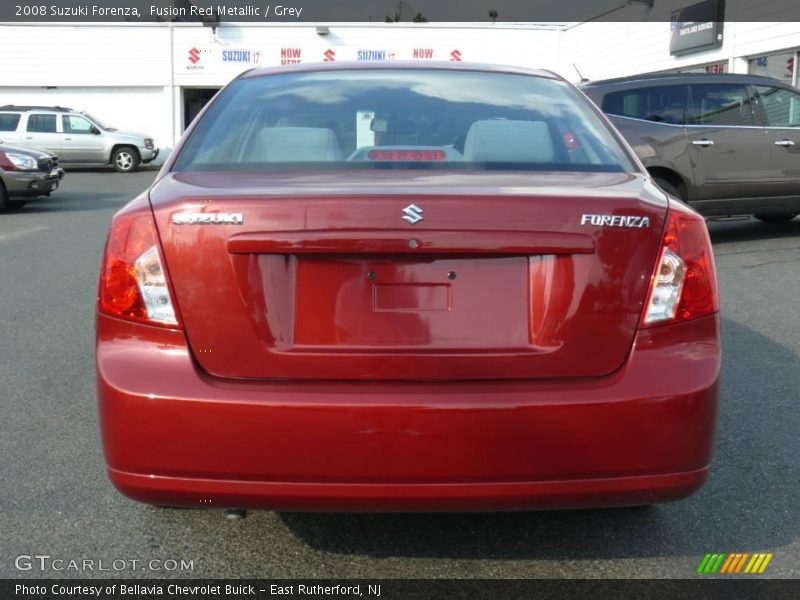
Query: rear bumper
(173, 435)
(526, 495)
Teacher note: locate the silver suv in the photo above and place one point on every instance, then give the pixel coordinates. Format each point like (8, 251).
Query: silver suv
(77, 138)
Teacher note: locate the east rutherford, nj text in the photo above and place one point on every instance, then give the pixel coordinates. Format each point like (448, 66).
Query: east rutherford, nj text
(221, 10)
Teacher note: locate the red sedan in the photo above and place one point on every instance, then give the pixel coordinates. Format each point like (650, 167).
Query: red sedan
(406, 287)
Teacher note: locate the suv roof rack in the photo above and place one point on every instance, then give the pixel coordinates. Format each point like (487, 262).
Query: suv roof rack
(25, 108)
(714, 77)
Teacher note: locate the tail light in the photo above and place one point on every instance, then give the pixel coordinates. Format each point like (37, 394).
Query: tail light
(684, 285)
(133, 280)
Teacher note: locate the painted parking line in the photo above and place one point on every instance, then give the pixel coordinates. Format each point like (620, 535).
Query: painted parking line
(21, 233)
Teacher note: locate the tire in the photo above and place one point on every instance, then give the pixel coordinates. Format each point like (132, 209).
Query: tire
(776, 218)
(668, 187)
(125, 159)
(3, 197)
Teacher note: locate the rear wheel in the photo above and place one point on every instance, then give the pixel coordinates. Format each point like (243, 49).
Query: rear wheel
(668, 187)
(125, 159)
(3, 197)
(776, 217)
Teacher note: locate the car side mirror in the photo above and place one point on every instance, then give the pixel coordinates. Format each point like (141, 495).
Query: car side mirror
(94, 130)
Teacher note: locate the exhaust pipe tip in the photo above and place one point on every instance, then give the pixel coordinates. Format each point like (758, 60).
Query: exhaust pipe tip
(235, 514)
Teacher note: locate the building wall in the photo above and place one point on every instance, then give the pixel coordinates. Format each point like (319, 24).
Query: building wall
(85, 56)
(604, 50)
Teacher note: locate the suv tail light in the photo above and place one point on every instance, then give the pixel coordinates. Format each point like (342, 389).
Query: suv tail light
(133, 280)
(684, 284)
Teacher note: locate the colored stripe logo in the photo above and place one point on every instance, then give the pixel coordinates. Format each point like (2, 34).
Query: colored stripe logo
(735, 563)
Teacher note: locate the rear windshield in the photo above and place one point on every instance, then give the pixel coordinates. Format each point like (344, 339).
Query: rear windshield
(407, 119)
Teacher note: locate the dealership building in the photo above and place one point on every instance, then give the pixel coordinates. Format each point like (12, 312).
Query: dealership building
(154, 77)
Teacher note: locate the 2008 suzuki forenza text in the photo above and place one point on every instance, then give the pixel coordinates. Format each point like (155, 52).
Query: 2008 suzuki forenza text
(395, 287)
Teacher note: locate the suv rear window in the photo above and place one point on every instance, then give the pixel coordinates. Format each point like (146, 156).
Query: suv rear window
(781, 106)
(9, 122)
(42, 123)
(432, 119)
(720, 104)
(662, 104)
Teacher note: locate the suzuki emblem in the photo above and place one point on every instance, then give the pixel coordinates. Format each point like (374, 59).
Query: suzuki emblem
(187, 218)
(412, 214)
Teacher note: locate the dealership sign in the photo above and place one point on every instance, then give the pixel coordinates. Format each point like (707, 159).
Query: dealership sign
(196, 59)
(697, 27)
(226, 62)
(211, 59)
(291, 56)
(374, 55)
(247, 57)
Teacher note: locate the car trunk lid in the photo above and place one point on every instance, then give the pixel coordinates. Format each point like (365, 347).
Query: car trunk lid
(317, 277)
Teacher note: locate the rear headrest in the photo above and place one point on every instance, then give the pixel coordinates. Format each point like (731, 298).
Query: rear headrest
(502, 140)
(295, 144)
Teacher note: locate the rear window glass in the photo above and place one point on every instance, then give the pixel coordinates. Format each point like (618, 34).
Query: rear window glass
(781, 106)
(661, 104)
(9, 122)
(412, 119)
(42, 123)
(720, 104)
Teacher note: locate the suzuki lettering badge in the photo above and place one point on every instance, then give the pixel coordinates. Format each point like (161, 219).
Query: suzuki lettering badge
(412, 214)
(187, 218)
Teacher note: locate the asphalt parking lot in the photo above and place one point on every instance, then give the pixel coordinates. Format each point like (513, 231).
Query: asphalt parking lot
(55, 499)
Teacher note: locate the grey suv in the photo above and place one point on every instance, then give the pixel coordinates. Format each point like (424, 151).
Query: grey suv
(726, 144)
(76, 138)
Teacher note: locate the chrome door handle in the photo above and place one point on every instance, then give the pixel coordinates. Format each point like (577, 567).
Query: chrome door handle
(784, 143)
(703, 142)
(69, 138)
(30, 137)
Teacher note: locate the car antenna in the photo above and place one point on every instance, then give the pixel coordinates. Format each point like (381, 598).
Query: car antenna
(583, 79)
